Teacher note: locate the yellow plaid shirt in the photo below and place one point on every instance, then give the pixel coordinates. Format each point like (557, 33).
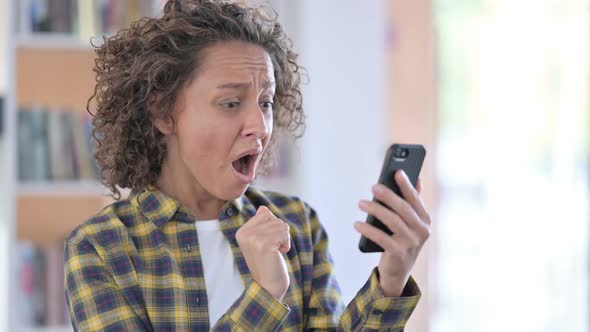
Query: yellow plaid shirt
(135, 266)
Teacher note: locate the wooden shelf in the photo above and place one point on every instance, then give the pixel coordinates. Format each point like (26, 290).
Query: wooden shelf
(44, 218)
(54, 41)
(48, 329)
(54, 77)
(61, 188)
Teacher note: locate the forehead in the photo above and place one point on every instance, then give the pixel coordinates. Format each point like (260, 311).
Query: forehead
(231, 60)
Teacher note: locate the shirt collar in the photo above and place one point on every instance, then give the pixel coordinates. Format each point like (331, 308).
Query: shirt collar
(160, 208)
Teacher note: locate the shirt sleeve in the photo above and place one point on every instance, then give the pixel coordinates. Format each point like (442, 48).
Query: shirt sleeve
(369, 310)
(94, 300)
(255, 310)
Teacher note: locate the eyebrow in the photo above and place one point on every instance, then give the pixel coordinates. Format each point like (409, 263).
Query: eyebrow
(242, 85)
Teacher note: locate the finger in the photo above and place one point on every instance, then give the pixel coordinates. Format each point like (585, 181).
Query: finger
(419, 186)
(399, 205)
(265, 214)
(264, 211)
(277, 235)
(389, 218)
(285, 242)
(274, 229)
(285, 247)
(376, 235)
(411, 195)
(262, 214)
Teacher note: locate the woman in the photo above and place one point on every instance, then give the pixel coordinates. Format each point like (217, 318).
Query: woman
(186, 105)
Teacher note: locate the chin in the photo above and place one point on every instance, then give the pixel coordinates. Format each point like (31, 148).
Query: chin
(232, 189)
(228, 194)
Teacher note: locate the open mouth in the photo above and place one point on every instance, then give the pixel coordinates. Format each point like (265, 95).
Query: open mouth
(243, 164)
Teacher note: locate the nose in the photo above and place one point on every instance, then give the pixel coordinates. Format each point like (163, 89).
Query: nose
(256, 125)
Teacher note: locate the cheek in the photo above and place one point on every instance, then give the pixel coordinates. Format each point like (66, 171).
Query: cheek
(205, 145)
(199, 145)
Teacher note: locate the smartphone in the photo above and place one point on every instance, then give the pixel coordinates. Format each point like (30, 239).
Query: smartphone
(408, 157)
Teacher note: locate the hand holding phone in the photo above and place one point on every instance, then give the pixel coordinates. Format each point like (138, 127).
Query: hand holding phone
(407, 157)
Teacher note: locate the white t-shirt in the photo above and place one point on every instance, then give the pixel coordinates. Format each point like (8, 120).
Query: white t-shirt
(222, 277)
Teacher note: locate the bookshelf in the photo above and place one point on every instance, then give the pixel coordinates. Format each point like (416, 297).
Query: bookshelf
(52, 71)
(50, 68)
(48, 329)
(54, 77)
(44, 218)
(51, 41)
(328, 176)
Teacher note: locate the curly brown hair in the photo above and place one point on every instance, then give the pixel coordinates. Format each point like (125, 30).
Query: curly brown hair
(150, 59)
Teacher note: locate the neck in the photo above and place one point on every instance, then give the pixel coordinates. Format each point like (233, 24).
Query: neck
(175, 181)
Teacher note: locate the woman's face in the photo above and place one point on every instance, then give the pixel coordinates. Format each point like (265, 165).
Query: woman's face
(223, 119)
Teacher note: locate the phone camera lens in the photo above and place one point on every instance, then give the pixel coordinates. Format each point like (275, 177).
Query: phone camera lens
(401, 153)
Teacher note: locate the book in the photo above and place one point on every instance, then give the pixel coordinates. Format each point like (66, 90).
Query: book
(23, 144)
(86, 18)
(90, 141)
(55, 146)
(55, 301)
(25, 252)
(40, 290)
(33, 152)
(68, 122)
(59, 165)
(87, 21)
(83, 155)
(1, 115)
(39, 15)
(59, 17)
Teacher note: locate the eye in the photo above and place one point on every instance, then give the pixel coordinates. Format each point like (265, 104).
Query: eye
(267, 105)
(230, 105)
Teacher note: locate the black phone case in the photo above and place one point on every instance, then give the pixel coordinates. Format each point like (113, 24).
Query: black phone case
(412, 165)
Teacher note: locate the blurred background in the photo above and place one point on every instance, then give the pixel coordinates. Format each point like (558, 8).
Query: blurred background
(496, 90)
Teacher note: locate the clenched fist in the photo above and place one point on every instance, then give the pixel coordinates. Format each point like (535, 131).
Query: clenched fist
(262, 240)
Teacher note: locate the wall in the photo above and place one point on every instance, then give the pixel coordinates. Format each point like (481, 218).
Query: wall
(6, 172)
(412, 118)
(3, 28)
(372, 82)
(345, 139)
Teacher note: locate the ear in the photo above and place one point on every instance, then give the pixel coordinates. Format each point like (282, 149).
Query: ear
(164, 125)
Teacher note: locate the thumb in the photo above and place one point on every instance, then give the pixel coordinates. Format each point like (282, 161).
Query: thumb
(285, 247)
(262, 210)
